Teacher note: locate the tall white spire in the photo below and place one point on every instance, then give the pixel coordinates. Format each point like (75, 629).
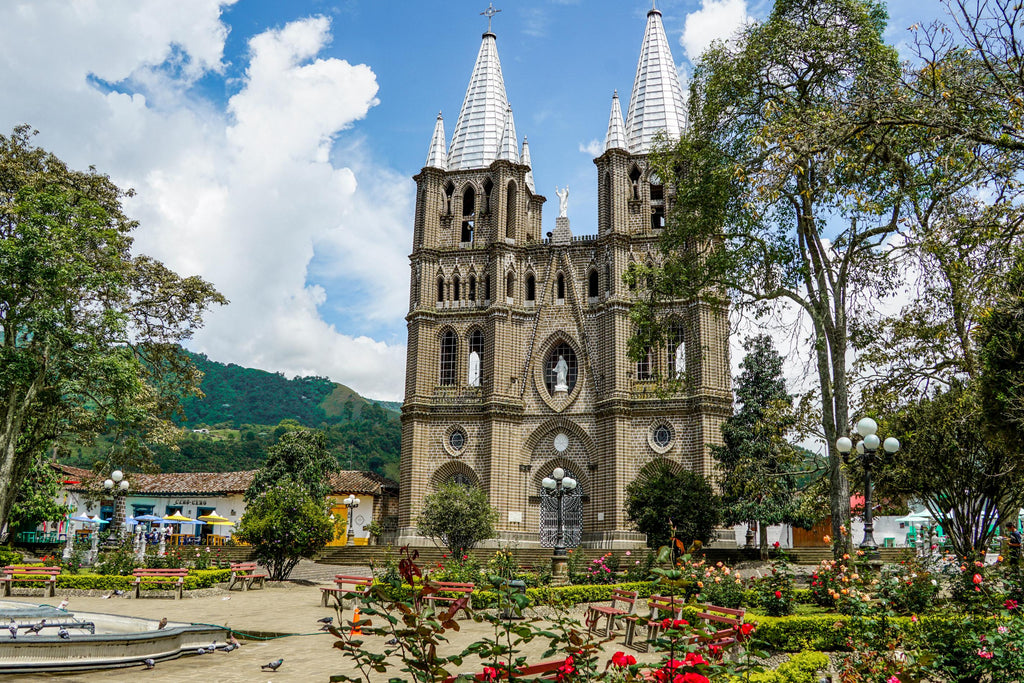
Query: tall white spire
(615, 138)
(508, 150)
(482, 118)
(437, 157)
(657, 100)
(524, 159)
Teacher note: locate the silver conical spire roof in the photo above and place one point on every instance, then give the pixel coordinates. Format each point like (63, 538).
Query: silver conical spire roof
(437, 157)
(657, 100)
(615, 138)
(507, 148)
(482, 118)
(524, 159)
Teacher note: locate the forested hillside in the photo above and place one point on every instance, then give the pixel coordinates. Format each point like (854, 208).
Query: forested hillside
(244, 412)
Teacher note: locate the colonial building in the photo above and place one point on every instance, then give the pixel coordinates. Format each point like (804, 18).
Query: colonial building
(517, 354)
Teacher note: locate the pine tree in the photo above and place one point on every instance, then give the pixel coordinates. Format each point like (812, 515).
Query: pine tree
(758, 465)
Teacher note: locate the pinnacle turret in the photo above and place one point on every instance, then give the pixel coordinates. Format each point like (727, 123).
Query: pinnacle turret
(656, 103)
(482, 117)
(524, 159)
(437, 157)
(508, 149)
(615, 138)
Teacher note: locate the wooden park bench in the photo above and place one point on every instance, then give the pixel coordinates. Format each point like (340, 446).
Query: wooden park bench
(357, 584)
(174, 577)
(661, 607)
(245, 574)
(541, 671)
(621, 605)
(726, 623)
(19, 573)
(462, 591)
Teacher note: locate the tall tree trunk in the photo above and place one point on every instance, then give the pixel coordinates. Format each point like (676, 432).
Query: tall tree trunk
(763, 529)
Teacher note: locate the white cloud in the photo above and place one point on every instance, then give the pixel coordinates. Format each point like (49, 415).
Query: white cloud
(715, 20)
(594, 148)
(243, 195)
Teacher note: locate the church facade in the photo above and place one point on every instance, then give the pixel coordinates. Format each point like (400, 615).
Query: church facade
(517, 353)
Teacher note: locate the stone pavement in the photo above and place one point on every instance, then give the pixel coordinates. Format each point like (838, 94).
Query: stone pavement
(287, 608)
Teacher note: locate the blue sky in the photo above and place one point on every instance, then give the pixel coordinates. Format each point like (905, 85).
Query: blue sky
(272, 143)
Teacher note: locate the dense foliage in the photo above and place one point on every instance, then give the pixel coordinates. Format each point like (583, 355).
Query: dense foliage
(89, 332)
(672, 504)
(284, 524)
(301, 457)
(457, 517)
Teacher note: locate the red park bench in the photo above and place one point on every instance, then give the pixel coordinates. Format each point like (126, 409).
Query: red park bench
(20, 573)
(357, 584)
(620, 599)
(662, 607)
(174, 577)
(247, 574)
(462, 591)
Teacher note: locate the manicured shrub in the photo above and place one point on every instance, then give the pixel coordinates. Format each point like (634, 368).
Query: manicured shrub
(802, 667)
(9, 555)
(775, 590)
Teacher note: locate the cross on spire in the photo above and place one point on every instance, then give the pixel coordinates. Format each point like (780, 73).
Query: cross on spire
(489, 13)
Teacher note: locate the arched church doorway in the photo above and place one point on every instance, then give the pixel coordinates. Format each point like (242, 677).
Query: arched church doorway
(572, 514)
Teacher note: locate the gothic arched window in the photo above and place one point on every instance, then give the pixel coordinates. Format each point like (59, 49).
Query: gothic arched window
(607, 186)
(634, 182)
(472, 287)
(488, 186)
(592, 287)
(510, 286)
(440, 289)
(475, 364)
(565, 352)
(531, 287)
(455, 289)
(510, 211)
(607, 277)
(643, 367)
(676, 350)
(449, 191)
(460, 479)
(468, 211)
(560, 286)
(449, 354)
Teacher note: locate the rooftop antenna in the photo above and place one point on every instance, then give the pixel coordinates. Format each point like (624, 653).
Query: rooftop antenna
(489, 13)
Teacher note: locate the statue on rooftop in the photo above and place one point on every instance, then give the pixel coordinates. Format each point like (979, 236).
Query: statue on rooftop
(563, 201)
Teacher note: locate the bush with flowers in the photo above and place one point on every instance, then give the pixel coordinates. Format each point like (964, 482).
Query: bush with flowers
(600, 570)
(908, 587)
(721, 585)
(460, 568)
(775, 592)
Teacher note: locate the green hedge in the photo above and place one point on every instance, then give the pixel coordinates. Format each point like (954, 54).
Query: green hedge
(567, 595)
(199, 578)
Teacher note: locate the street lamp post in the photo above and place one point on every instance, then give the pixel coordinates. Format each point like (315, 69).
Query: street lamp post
(867, 447)
(118, 486)
(556, 486)
(351, 503)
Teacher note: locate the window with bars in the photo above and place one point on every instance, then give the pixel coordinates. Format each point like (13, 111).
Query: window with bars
(675, 362)
(449, 351)
(644, 371)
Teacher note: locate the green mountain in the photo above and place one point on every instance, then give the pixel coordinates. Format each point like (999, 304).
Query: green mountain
(244, 412)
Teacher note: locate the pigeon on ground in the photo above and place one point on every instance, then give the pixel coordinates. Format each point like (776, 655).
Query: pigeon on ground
(13, 628)
(326, 620)
(63, 606)
(149, 663)
(393, 641)
(63, 633)
(163, 622)
(230, 647)
(36, 628)
(273, 666)
(107, 596)
(118, 592)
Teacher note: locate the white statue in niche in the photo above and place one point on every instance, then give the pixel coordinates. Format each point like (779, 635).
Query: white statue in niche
(474, 369)
(680, 360)
(561, 375)
(563, 201)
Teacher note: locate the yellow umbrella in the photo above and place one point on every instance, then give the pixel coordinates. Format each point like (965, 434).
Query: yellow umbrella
(215, 520)
(178, 517)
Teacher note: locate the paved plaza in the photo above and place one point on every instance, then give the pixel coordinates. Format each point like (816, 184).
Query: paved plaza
(291, 608)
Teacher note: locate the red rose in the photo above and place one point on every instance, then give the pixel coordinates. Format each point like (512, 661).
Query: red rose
(490, 673)
(1010, 605)
(621, 659)
(746, 629)
(977, 579)
(778, 594)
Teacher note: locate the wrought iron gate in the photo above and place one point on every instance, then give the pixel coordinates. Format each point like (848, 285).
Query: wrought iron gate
(572, 519)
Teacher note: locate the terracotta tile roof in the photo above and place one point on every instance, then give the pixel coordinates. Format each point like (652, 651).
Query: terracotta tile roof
(346, 481)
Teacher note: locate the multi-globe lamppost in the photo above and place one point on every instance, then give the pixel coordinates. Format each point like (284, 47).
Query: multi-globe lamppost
(867, 447)
(351, 503)
(118, 486)
(556, 486)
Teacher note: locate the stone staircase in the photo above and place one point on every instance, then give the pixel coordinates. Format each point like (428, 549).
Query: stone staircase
(364, 555)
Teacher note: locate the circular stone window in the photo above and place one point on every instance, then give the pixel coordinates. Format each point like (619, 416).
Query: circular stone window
(561, 442)
(456, 440)
(660, 437)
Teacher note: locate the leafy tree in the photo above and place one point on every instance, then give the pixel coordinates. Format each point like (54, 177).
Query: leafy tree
(36, 502)
(88, 332)
(785, 190)
(302, 456)
(758, 465)
(457, 517)
(666, 500)
(967, 480)
(1001, 339)
(284, 524)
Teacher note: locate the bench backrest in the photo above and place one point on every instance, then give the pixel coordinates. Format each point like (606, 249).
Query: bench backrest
(626, 598)
(454, 587)
(244, 566)
(357, 582)
(665, 605)
(22, 570)
(156, 573)
(722, 615)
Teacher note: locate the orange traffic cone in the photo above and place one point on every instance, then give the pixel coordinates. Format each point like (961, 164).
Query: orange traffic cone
(356, 629)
